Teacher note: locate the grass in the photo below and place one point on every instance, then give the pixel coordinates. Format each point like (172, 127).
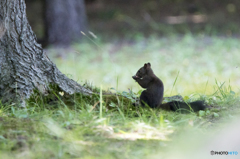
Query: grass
(65, 132)
(114, 129)
(198, 59)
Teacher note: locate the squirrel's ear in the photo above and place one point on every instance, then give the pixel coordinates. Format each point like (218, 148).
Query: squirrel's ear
(145, 65)
(149, 64)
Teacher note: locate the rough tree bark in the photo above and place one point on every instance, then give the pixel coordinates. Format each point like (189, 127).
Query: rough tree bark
(24, 66)
(65, 20)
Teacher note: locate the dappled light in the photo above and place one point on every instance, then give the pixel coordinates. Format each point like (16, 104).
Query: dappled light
(186, 19)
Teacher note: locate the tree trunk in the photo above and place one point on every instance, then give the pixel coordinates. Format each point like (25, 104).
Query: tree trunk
(23, 64)
(65, 21)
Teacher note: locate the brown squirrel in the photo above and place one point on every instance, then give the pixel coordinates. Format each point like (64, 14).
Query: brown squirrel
(153, 95)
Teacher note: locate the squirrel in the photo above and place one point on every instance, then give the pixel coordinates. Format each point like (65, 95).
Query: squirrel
(153, 95)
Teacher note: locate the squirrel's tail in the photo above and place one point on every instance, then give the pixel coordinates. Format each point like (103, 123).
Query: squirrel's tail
(184, 107)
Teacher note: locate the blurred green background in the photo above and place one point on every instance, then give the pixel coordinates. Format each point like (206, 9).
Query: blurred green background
(198, 39)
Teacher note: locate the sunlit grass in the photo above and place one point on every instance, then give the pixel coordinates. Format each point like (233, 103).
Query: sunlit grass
(72, 132)
(198, 59)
